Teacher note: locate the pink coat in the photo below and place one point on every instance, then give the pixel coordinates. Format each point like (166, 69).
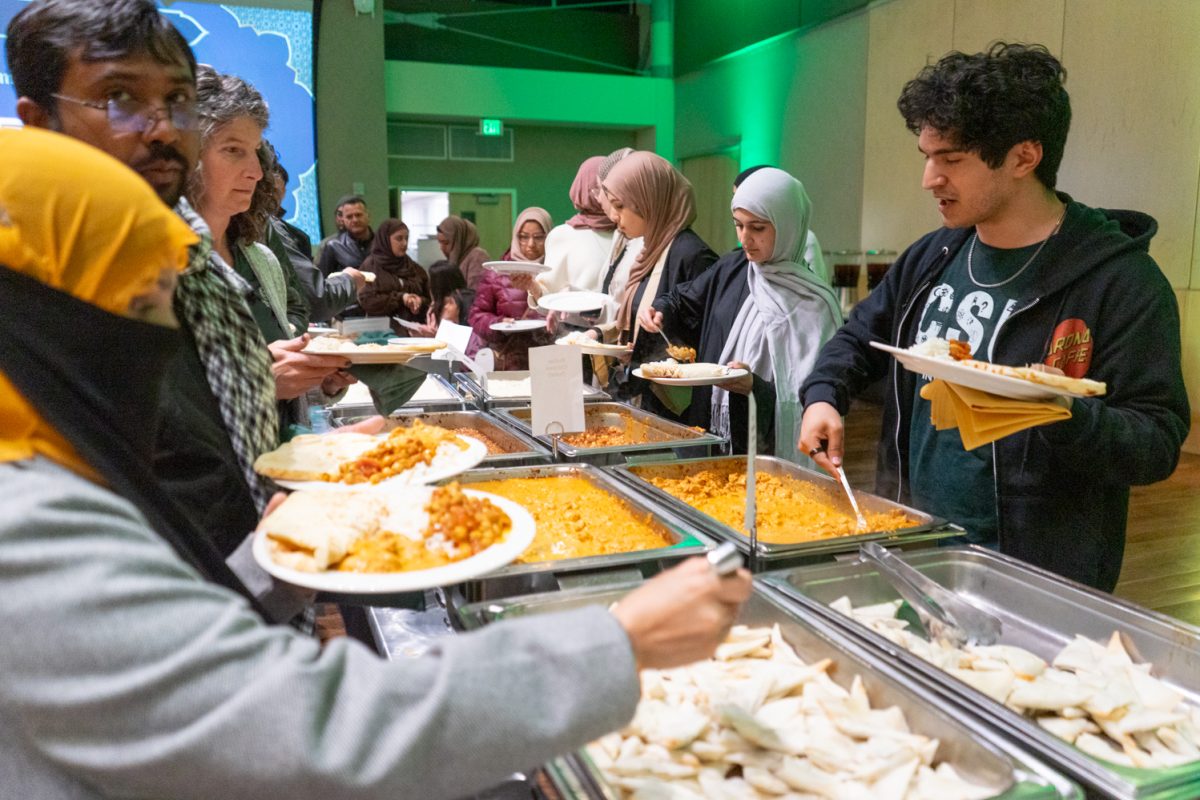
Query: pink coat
(496, 299)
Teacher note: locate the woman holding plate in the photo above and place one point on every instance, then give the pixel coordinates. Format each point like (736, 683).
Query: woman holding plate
(133, 664)
(651, 199)
(767, 313)
(401, 285)
(497, 301)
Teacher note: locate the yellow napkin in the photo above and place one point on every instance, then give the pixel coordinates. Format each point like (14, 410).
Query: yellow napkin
(981, 417)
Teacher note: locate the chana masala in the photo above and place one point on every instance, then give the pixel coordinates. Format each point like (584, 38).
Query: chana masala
(460, 526)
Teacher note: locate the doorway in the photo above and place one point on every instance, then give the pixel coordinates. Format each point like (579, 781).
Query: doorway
(491, 210)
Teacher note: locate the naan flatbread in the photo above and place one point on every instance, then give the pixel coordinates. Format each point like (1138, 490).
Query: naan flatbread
(1080, 386)
(311, 456)
(309, 531)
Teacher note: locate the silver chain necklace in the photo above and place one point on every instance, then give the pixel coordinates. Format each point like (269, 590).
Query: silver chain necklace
(1017, 274)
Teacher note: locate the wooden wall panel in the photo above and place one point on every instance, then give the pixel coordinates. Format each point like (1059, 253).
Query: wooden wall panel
(712, 178)
(978, 23)
(1189, 312)
(824, 125)
(1133, 71)
(904, 36)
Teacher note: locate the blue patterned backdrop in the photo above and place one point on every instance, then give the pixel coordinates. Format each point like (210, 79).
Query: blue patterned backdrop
(270, 48)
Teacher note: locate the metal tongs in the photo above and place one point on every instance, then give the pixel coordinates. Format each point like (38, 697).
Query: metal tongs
(724, 558)
(946, 617)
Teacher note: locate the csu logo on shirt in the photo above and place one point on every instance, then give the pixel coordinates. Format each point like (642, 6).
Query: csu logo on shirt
(1071, 348)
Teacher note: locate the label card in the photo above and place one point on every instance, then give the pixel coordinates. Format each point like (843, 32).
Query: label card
(557, 377)
(458, 337)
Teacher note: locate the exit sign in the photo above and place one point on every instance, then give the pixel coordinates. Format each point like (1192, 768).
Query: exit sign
(491, 127)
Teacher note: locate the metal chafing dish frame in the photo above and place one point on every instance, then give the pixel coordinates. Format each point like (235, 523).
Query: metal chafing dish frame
(1041, 612)
(518, 579)
(997, 760)
(338, 414)
(929, 530)
(679, 436)
(472, 392)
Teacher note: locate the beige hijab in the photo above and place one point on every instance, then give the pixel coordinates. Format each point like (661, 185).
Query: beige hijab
(532, 214)
(655, 190)
(462, 235)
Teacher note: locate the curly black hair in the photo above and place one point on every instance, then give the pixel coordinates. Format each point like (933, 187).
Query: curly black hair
(988, 102)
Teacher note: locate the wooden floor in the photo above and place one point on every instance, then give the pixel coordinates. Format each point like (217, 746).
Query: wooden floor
(1162, 551)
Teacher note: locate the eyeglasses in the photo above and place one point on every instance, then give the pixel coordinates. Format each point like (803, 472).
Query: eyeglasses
(534, 237)
(134, 116)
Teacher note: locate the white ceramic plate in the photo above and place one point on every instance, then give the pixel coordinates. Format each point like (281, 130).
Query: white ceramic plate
(440, 469)
(733, 374)
(321, 330)
(399, 351)
(519, 325)
(493, 558)
(953, 372)
(599, 349)
(409, 324)
(516, 267)
(573, 302)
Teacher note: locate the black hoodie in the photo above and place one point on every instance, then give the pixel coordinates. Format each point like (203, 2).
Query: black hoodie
(1100, 301)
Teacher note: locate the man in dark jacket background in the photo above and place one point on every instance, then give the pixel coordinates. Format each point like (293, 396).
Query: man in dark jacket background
(1023, 274)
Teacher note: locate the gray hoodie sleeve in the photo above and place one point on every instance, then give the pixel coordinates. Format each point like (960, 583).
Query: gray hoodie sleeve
(123, 670)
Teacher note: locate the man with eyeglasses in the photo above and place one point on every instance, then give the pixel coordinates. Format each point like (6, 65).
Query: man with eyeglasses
(118, 76)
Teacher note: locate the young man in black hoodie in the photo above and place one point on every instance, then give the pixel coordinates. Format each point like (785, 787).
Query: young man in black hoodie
(1023, 274)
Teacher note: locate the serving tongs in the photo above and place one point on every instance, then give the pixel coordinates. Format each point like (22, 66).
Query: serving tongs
(946, 617)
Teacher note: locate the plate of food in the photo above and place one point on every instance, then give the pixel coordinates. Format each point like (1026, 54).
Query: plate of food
(950, 361)
(353, 461)
(573, 302)
(673, 373)
(519, 325)
(400, 539)
(396, 351)
(516, 267)
(587, 344)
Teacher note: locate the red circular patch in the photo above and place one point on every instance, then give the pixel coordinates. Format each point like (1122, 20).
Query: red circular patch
(1071, 348)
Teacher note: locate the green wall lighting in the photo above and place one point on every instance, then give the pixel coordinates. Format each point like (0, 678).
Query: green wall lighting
(491, 127)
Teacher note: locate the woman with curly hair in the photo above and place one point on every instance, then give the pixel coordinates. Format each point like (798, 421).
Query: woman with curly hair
(228, 191)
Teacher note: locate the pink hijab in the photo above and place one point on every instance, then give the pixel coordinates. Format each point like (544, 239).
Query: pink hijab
(584, 196)
(532, 214)
(655, 190)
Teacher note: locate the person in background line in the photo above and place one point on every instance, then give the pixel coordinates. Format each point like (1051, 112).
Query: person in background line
(459, 241)
(228, 191)
(767, 313)
(577, 251)
(814, 258)
(326, 298)
(1024, 275)
(352, 244)
(119, 77)
(653, 200)
(497, 300)
(449, 299)
(401, 285)
(128, 669)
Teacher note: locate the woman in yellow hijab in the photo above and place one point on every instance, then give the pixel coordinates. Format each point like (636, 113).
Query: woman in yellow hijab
(124, 674)
(88, 257)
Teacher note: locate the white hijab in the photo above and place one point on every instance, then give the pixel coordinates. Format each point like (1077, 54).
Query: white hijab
(789, 314)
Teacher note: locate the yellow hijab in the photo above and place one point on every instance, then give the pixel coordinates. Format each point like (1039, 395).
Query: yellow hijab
(79, 221)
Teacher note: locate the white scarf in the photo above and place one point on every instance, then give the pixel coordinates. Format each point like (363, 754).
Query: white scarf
(789, 314)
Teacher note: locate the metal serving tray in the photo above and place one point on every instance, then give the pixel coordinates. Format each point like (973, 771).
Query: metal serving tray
(976, 751)
(1040, 612)
(928, 529)
(667, 438)
(473, 393)
(516, 579)
(349, 413)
